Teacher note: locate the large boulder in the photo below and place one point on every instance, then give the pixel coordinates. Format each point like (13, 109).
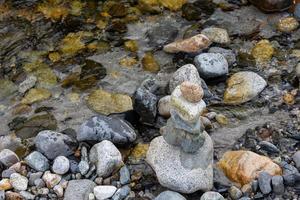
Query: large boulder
(179, 171)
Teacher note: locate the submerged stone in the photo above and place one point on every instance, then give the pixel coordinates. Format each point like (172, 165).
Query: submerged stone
(106, 103)
(263, 51)
(287, 24)
(7, 88)
(172, 4)
(32, 126)
(36, 95)
(149, 63)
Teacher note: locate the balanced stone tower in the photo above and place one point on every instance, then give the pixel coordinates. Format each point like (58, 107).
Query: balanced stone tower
(182, 157)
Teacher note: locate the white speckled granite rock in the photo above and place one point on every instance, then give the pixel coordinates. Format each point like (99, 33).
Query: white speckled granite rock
(106, 157)
(185, 73)
(181, 171)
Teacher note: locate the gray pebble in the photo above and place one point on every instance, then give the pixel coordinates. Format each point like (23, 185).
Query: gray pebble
(8, 157)
(167, 195)
(277, 184)
(124, 175)
(211, 65)
(33, 177)
(37, 161)
(83, 167)
(61, 165)
(296, 157)
(264, 182)
(212, 196)
(121, 193)
(6, 173)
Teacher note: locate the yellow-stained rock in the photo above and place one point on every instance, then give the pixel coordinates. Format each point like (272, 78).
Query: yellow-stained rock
(72, 43)
(54, 56)
(287, 24)
(263, 51)
(242, 87)
(173, 5)
(5, 184)
(106, 103)
(73, 97)
(36, 95)
(139, 151)
(190, 45)
(244, 166)
(131, 45)
(46, 77)
(149, 5)
(149, 63)
(222, 119)
(128, 62)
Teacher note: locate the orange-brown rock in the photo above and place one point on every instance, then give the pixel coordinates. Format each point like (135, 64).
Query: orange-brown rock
(190, 45)
(192, 92)
(244, 166)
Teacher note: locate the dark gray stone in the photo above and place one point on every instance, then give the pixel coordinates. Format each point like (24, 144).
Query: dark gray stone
(79, 189)
(8, 157)
(296, 159)
(53, 144)
(161, 35)
(297, 11)
(264, 182)
(268, 146)
(124, 175)
(288, 169)
(74, 166)
(211, 65)
(145, 101)
(2, 195)
(37, 161)
(277, 184)
(100, 127)
(121, 193)
(33, 177)
(168, 195)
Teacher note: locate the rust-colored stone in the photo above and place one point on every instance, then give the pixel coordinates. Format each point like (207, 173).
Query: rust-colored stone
(244, 166)
(192, 92)
(190, 45)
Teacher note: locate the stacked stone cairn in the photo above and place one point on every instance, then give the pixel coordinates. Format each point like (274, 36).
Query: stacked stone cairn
(184, 148)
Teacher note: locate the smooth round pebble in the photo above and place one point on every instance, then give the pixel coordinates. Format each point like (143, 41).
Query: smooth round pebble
(18, 181)
(61, 165)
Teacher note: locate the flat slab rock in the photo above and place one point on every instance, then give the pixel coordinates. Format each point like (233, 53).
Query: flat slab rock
(179, 171)
(101, 127)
